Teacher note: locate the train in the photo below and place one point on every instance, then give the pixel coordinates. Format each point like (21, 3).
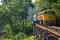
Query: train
(45, 18)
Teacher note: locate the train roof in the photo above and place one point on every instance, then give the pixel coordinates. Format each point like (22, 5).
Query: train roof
(48, 11)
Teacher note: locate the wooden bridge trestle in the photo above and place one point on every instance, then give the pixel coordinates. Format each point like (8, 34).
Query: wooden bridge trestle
(47, 33)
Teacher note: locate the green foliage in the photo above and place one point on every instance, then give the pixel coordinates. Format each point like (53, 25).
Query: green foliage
(23, 34)
(56, 7)
(41, 4)
(13, 20)
(29, 38)
(44, 4)
(20, 36)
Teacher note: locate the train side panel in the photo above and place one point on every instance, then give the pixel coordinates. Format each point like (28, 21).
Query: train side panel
(49, 19)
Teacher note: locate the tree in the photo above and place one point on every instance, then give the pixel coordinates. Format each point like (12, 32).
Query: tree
(12, 12)
(44, 4)
(56, 7)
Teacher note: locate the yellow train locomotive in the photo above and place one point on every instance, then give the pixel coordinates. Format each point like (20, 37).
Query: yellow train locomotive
(46, 17)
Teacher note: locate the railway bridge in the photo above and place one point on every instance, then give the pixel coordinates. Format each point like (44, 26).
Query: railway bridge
(46, 32)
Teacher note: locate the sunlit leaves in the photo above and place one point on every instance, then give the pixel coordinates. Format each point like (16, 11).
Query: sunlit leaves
(56, 7)
(13, 18)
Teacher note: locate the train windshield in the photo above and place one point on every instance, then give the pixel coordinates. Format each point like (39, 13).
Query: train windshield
(50, 12)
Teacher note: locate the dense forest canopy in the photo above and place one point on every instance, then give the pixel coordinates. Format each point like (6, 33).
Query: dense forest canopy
(13, 20)
(46, 4)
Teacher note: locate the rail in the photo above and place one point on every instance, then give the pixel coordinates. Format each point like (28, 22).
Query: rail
(51, 29)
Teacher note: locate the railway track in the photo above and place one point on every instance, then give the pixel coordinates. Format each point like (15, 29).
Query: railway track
(53, 30)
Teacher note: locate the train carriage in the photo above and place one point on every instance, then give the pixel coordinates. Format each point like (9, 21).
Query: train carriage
(46, 18)
(49, 17)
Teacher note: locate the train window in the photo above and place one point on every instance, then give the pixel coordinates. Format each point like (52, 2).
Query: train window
(50, 12)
